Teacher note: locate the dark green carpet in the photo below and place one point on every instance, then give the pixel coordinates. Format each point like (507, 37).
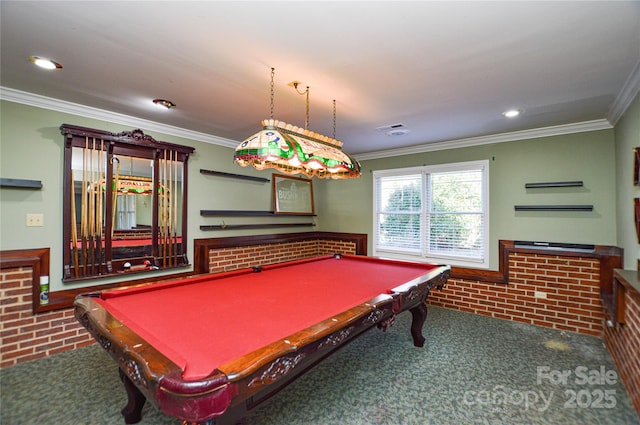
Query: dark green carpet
(473, 370)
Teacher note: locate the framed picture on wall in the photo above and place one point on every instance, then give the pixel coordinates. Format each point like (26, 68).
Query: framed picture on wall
(636, 166)
(292, 195)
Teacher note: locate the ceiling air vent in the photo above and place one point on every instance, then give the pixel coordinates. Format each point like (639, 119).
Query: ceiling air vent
(394, 129)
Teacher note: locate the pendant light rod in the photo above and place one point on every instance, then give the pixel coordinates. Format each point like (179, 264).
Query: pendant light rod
(295, 85)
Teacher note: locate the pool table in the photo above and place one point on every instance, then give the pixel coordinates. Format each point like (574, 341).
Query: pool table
(208, 348)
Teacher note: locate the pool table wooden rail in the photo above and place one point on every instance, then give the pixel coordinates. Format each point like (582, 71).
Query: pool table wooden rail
(235, 387)
(147, 374)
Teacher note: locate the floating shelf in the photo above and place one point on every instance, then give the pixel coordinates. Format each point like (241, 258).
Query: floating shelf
(235, 213)
(553, 207)
(555, 246)
(234, 176)
(21, 183)
(246, 213)
(553, 184)
(252, 226)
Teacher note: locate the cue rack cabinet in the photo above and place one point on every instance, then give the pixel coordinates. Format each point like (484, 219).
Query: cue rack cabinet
(145, 174)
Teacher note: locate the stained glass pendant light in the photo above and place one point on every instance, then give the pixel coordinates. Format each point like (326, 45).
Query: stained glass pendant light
(293, 150)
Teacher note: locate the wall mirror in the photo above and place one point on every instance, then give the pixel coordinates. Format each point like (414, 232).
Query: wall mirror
(135, 223)
(292, 195)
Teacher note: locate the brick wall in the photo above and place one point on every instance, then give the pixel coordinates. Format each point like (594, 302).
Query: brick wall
(571, 286)
(227, 259)
(624, 345)
(25, 336)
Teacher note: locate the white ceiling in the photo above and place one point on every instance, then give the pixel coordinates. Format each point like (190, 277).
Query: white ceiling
(446, 70)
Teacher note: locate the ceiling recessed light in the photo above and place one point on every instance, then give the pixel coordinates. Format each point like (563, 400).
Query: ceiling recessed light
(164, 103)
(45, 63)
(512, 113)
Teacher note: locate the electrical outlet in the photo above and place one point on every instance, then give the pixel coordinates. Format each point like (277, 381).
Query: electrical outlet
(538, 294)
(35, 220)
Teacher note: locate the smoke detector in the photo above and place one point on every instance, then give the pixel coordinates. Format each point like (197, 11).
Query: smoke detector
(394, 129)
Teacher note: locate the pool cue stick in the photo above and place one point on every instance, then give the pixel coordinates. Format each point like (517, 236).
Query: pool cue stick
(114, 196)
(92, 213)
(161, 211)
(164, 210)
(167, 211)
(99, 208)
(74, 226)
(94, 204)
(170, 206)
(175, 209)
(83, 214)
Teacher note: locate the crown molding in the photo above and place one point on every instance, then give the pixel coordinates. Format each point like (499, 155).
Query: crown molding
(44, 102)
(556, 130)
(17, 96)
(629, 92)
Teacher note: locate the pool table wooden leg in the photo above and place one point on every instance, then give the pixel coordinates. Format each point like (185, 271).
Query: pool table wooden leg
(419, 314)
(132, 412)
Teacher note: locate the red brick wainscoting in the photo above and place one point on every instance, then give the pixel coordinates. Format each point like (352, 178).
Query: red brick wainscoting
(623, 342)
(571, 286)
(226, 254)
(26, 336)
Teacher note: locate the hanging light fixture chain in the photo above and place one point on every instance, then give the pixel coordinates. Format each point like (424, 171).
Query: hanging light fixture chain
(334, 119)
(306, 122)
(273, 72)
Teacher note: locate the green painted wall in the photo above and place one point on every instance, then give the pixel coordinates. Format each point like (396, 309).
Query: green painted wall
(31, 148)
(589, 157)
(627, 133)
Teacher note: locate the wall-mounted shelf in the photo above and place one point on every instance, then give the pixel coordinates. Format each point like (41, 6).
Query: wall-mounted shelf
(233, 176)
(252, 226)
(553, 184)
(21, 183)
(553, 207)
(246, 213)
(234, 213)
(558, 246)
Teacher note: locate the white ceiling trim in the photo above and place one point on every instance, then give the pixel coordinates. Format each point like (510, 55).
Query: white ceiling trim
(556, 130)
(629, 91)
(58, 105)
(18, 96)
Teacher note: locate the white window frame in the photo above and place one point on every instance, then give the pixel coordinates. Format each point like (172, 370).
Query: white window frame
(423, 255)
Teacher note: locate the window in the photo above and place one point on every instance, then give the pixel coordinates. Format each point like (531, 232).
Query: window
(436, 213)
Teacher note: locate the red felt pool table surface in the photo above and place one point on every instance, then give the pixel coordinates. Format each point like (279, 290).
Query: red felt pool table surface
(204, 322)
